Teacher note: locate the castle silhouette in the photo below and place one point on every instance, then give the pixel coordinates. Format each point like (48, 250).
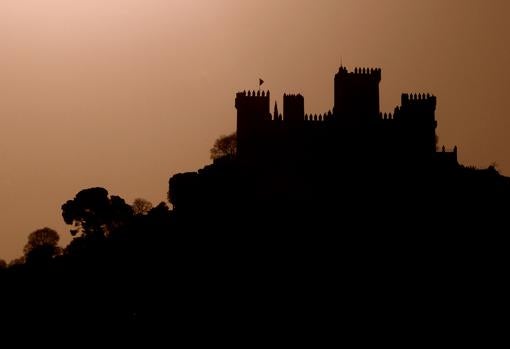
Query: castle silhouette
(354, 131)
(264, 242)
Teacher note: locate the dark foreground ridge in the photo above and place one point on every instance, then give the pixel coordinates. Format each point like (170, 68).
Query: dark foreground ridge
(345, 225)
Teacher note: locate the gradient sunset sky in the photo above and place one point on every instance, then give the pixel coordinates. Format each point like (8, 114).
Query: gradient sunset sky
(124, 93)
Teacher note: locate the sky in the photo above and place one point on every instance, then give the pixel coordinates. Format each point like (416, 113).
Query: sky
(122, 94)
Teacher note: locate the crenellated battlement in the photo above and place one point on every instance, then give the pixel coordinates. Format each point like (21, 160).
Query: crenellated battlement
(418, 103)
(254, 94)
(367, 71)
(318, 118)
(415, 98)
(386, 116)
(360, 72)
(255, 99)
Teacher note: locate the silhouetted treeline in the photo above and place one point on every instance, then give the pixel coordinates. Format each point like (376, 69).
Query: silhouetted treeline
(306, 252)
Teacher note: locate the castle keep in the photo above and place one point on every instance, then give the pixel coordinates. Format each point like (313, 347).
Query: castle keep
(354, 130)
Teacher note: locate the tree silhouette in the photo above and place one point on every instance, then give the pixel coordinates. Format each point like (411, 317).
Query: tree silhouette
(42, 245)
(16, 262)
(161, 210)
(141, 206)
(93, 214)
(41, 237)
(224, 146)
(3, 264)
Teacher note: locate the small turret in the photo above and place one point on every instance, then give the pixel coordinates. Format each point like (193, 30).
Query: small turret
(275, 114)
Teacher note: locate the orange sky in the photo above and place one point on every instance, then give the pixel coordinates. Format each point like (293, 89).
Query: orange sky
(124, 93)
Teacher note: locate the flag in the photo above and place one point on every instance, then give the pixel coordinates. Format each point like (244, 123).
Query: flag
(261, 82)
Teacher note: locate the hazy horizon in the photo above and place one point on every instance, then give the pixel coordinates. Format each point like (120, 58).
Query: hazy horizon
(122, 94)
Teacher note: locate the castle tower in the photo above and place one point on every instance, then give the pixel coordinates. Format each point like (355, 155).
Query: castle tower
(253, 117)
(293, 109)
(417, 115)
(357, 94)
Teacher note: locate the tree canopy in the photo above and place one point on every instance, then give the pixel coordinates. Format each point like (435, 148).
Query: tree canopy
(224, 146)
(141, 207)
(94, 214)
(42, 244)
